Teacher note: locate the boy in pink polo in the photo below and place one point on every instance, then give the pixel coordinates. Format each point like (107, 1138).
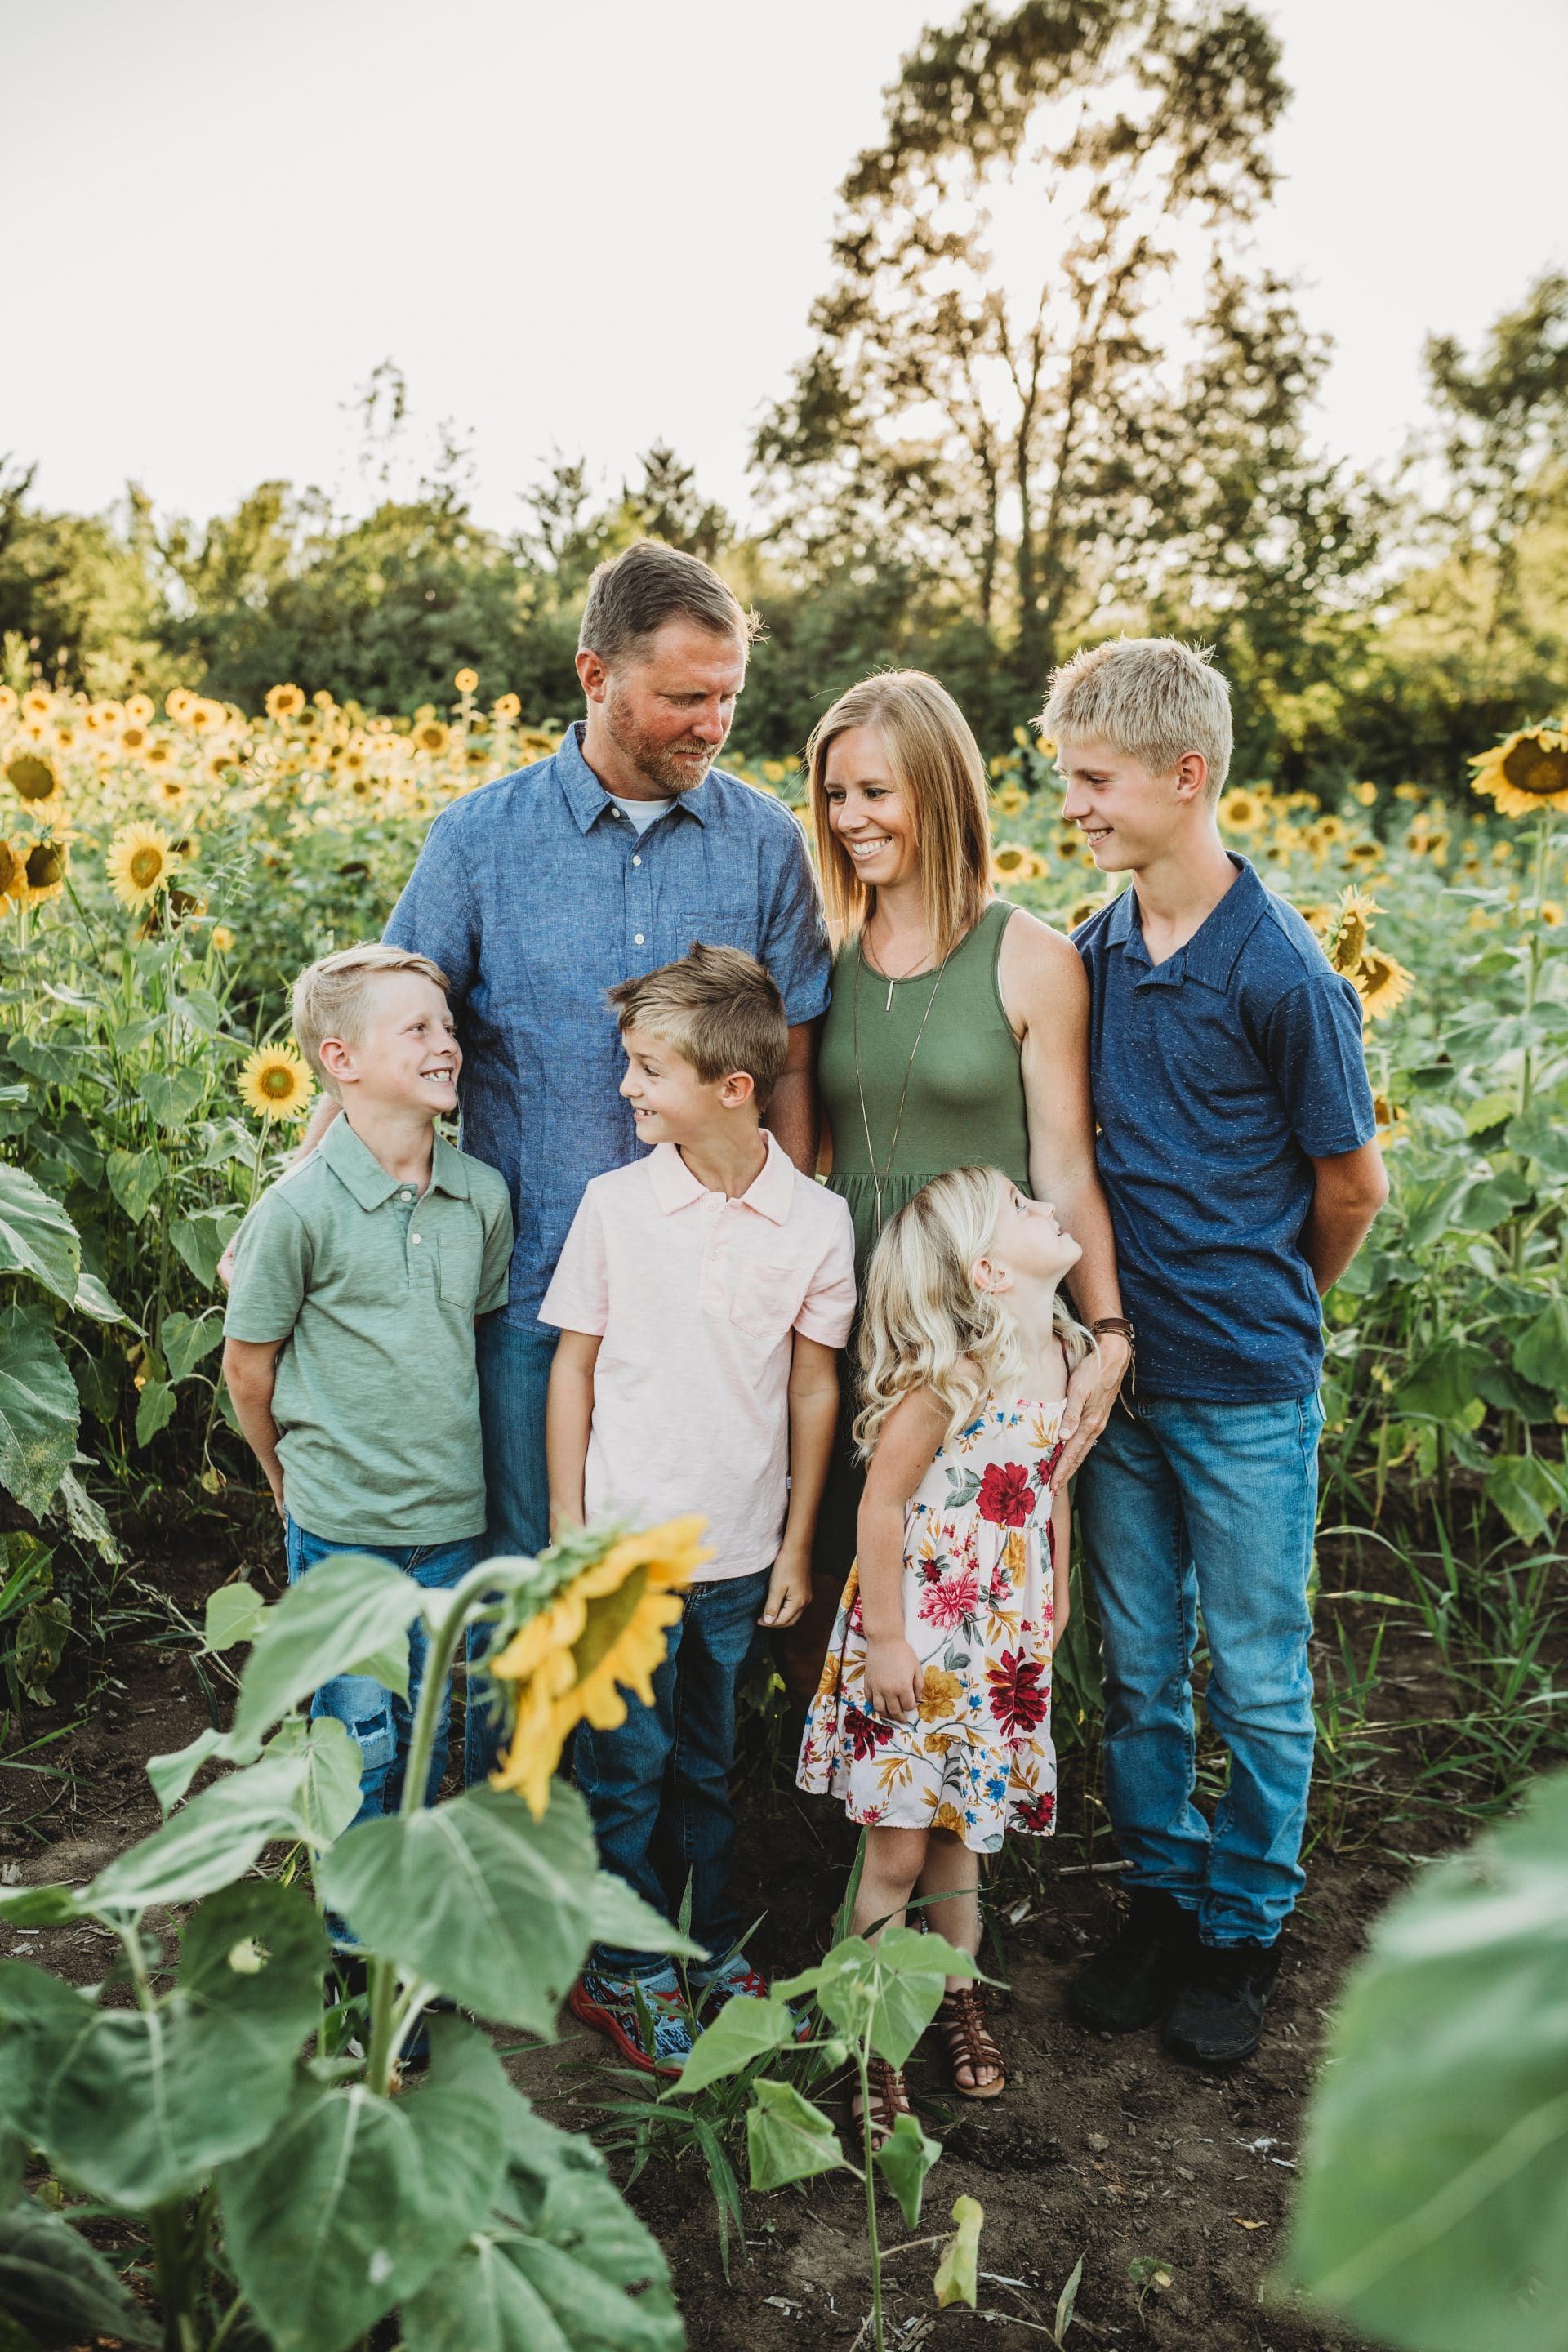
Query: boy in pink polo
(701, 1298)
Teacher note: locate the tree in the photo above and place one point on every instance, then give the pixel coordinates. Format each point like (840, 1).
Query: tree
(992, 415)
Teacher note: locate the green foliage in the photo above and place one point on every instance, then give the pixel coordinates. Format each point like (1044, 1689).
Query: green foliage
(232, 2107)
(1431, 2211)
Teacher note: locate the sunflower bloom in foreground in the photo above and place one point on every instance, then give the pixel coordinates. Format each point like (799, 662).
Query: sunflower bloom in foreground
(1349, 929)
(275, 1083)
(141, 859)
(605, 1627)
(1526, 771)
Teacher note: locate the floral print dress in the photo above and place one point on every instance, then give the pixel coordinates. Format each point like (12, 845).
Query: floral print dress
(978, 1582)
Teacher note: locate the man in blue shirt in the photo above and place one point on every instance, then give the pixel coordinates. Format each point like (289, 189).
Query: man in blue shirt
(539, 892)
(1236, 1149)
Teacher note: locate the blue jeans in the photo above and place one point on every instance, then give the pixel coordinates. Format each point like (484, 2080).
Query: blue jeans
(1186, 1506)
(377, 1720)
(514, 1362)
(659, 1786)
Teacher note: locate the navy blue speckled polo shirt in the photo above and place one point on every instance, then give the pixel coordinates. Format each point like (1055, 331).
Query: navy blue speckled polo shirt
(1218, 1077)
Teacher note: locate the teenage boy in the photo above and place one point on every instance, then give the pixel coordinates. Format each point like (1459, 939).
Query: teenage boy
(349, 1338)
(701, 1298)
(1237, 1152)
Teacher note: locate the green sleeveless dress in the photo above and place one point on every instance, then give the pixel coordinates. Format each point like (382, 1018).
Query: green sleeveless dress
(964, 1108)
(965, 1104)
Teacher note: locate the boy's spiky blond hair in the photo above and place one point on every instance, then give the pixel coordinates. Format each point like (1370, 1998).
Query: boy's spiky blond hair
(1152, 697)
(331, 996)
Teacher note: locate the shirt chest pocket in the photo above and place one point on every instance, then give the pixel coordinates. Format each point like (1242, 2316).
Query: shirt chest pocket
(715, 926)
(765, 1298)
(457, 1267)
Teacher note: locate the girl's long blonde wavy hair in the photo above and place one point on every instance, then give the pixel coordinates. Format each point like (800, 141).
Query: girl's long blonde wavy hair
(926, 1325)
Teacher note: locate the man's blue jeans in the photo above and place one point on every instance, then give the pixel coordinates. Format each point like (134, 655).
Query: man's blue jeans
(377, 1720)
(1186, 1506)
(659, 1787)
(514, 1362)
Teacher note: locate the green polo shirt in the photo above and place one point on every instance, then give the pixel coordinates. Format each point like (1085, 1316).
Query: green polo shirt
(373, 1289)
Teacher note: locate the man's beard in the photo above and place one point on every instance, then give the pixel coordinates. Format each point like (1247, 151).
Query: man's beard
(668, 766)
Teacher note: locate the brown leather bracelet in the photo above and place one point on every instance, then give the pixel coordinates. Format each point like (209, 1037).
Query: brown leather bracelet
(1124, 1329)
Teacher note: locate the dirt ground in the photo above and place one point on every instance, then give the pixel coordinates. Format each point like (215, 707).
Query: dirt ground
(1102, 2149)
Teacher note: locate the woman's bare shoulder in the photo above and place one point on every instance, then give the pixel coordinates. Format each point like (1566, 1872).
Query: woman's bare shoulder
(1040, 968)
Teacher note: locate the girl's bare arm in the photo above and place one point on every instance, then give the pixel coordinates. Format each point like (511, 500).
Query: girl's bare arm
(905, 1449)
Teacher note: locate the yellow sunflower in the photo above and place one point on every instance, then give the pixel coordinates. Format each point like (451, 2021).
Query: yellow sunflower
(44, 871)
(1391, 1120)
(466, 680)
(141, 859)
(1381, 984)
(1551, 913)
(1012, 862)
(1527, 771)
(8, 701)
(605, 1627)
(275, 1083)
(1363, 853)
(222, 938)
(1350, 929)
(37, 703)
(431, 735)
(170, 792)
(1365, 793)
(178, 703)
(283, 701)
(1241, 811)
(13, 871)
(32, 779)
(508, 708)
(1010, 800)
(140, 709)
(135, 736)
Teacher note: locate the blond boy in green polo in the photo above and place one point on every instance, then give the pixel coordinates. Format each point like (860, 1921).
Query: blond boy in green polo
(349, 1338)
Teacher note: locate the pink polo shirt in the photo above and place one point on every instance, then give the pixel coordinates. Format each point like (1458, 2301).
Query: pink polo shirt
(694, 1298)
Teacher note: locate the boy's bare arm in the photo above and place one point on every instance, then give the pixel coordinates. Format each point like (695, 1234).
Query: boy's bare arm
(1351, 1187)
(568, 1417)
(813, 1418)
(250, 1367)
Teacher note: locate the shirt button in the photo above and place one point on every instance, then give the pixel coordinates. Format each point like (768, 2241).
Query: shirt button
(416, 1239)
(405, 1197)
(637, 938)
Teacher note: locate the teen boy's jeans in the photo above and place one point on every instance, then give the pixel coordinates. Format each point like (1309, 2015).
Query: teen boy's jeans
(377, 1720)
(1186, 1505)
(514, 1380)
(690, 1732)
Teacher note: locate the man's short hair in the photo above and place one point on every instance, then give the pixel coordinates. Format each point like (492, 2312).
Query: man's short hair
(632, 594)
(331, 996)
(719, 1009)
(1152, 697)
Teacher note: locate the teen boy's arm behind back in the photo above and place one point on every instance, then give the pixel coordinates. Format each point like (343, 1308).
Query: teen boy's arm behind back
(1349, 1189)
(250, 1368)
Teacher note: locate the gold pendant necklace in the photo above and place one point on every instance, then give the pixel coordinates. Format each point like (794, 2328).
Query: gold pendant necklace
(879, 1178)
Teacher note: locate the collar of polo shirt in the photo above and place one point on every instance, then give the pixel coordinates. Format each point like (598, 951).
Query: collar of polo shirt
(771, 1193)
(1210, 954)
(352, 1160)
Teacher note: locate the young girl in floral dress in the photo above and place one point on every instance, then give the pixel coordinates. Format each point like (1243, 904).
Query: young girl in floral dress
(932, 1720)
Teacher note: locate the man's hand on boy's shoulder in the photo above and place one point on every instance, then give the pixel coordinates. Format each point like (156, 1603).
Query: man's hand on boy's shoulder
(789, 1587)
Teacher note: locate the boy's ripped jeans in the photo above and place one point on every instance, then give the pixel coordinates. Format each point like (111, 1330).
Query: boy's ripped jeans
(379, 1722)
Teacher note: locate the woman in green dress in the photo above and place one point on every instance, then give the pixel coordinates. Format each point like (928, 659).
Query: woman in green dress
(957, 1035)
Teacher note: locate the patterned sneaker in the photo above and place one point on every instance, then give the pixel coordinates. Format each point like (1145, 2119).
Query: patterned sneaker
(646, 2017)
(713, 1987)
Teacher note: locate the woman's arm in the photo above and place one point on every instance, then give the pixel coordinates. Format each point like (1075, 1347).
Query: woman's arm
(1045, 992)
(905, 1451)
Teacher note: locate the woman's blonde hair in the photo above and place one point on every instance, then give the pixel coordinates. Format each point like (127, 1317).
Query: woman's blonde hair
(938, 768)
(926, 1325)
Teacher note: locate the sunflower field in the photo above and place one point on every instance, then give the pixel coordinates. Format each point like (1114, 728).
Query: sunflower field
(163, 873)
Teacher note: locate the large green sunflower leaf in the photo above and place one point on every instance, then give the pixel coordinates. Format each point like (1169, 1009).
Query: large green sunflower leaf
(54, 2284)
(348, 1609)
(356, 2200)
(495, 1908)
(36, 1237)
(139, 2108)
(39, 1408)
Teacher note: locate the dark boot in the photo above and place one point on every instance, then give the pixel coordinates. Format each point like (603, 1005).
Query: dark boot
(1134, 1979)
(1216, 2017)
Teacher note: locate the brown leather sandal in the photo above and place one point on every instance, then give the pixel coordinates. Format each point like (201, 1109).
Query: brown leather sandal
(961, 2022)
(889, 2100)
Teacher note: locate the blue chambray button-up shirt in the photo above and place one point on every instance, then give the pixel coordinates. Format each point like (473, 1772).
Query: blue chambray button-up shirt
(534, 895)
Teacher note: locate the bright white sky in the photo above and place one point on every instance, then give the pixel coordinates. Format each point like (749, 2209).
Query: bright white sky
(585, 228)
